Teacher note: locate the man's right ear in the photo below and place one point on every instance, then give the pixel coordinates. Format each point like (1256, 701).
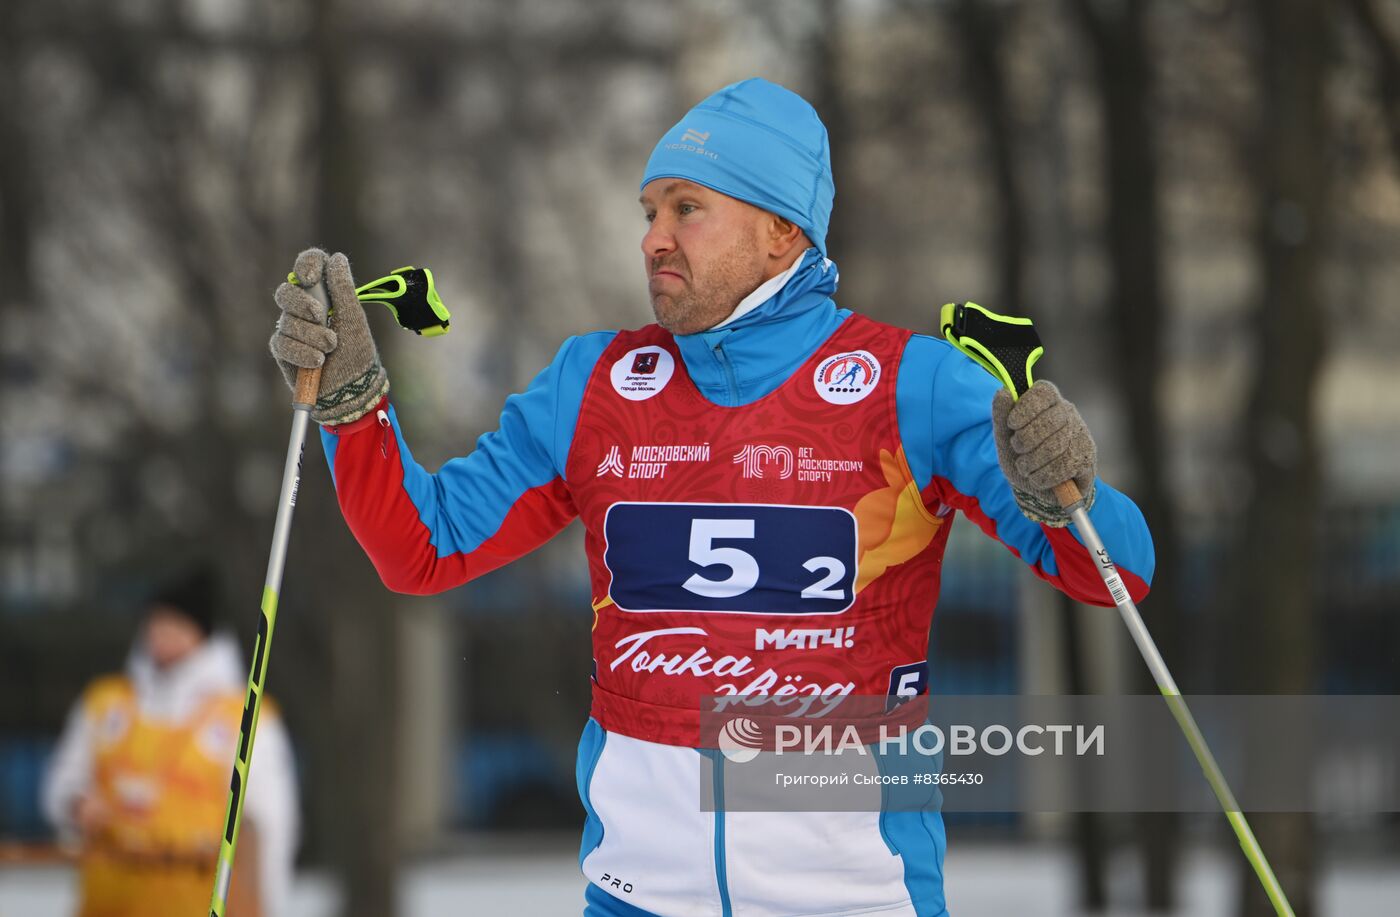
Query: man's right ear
(783, 234)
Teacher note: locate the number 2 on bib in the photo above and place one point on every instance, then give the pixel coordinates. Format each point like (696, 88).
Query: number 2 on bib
(731, 558)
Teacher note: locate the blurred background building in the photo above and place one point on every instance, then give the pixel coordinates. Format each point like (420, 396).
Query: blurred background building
(1199, 203)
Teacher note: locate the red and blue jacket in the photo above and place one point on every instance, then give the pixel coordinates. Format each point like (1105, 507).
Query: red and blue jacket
(428, 532)
(559, 454)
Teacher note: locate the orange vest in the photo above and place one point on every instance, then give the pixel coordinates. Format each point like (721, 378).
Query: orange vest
(166, 785)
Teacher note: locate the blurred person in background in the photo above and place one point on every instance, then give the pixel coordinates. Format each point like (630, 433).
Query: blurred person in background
(755, 425)
(140, 775)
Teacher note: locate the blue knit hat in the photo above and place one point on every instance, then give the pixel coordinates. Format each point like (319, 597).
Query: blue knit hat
(757, 142)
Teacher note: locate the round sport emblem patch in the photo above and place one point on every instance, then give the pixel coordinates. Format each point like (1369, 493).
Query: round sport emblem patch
(113, 726)
(218, 740)
(847, 377)
(643, 372)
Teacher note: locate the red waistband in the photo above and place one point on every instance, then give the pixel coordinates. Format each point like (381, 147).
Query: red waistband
(671, 725)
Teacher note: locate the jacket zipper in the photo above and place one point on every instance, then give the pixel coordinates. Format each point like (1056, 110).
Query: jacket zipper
(385, 430)
(729, 376)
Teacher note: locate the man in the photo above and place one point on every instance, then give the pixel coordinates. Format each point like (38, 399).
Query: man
(141, 773)
(757, 456)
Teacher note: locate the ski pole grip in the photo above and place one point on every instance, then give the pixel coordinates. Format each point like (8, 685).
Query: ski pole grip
(1003, 345)
(309, 379)
(412, 296)
(1068, 494)
(308, 384)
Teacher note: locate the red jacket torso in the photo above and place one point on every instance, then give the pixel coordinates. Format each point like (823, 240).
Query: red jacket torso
(778, 548)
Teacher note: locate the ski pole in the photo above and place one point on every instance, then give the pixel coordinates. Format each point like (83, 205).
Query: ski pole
(307, 384)
(411, 295)
(1008, 348)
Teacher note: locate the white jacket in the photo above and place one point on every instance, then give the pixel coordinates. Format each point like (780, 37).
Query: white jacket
(173, 696)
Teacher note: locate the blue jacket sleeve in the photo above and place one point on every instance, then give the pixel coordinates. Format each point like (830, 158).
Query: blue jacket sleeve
(427, 532)
(944, 401)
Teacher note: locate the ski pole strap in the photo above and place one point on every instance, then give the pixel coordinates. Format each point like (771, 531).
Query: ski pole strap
(1005, 346)
(412, 296)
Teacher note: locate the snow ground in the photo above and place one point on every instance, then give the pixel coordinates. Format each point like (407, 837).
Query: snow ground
(983, 881)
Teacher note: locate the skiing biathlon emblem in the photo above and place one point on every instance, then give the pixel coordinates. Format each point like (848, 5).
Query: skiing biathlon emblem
(847, 377)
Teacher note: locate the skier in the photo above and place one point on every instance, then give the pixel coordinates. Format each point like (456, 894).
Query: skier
(140, 774)
(688, 565)
(849, 376)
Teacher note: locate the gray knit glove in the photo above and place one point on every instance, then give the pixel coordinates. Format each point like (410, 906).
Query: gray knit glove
(1041, 442)
(352, 378)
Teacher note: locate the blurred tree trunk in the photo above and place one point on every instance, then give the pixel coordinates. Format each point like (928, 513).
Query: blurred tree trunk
(1278, 548)
(1089, 838)
(1376, 31)
(18, 205)
(1137, 319)
(18, 189)
(504, 185)
(355, 611)
(981, 28)
(828, 97)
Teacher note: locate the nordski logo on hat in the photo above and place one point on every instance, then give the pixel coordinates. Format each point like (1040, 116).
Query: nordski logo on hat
(847, 377)
(693, 141)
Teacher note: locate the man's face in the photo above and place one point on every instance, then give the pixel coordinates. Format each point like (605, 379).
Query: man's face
(170, 636)
(703, 253)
